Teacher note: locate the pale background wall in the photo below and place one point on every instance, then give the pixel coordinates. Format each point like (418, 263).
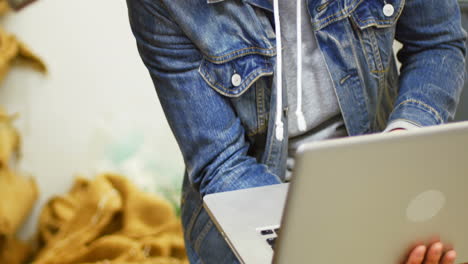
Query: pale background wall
(96, 109)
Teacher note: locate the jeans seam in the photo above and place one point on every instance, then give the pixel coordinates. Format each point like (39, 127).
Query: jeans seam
(202, 236)
(192, 221)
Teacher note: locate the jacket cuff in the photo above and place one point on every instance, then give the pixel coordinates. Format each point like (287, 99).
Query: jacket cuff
(416, 112)
(400, 124)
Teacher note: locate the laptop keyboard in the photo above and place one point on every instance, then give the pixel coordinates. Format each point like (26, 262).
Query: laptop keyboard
(267, 232)
(270, 236)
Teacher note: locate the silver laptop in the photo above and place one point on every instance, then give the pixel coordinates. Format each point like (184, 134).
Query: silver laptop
(363, 199)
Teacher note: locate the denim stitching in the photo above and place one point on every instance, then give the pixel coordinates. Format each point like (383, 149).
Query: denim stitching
(259, 25)
(382, 71)
(344, 12)
(260, 104)
(250, 80)
(202, 235)
(265, 112)
(257, 131)
(323, 23)
(392, 20)
(331, 21)
(376, 51)
(359, 92)
(344, 79)
(260, 97)
(361, 40)
(192, 221)
(359, 70)
(239, 50)
(239, 53)
(322, 7)
(212, 79)
(380, 77)
(431, 109)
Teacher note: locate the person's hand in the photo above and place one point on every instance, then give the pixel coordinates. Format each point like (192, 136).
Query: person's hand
(435, 253)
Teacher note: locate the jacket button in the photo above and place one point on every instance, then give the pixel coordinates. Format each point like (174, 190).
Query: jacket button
(236, 79)
(388, 10)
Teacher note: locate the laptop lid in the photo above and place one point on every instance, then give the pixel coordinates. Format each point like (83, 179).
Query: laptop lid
(367, 199)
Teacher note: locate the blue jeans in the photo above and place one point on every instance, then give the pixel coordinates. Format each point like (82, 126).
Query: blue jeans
(204, 243)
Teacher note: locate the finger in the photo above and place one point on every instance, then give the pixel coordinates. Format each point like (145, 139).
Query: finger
(449, 257)
(417, 255)
(434, 254)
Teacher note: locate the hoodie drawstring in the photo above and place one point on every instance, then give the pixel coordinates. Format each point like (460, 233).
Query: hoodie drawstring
(301, 124)
(279, 126)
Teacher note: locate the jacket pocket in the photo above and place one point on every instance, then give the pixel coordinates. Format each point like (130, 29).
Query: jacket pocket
(375, 29)
(241, 81)
(233, 78)
(370, 13)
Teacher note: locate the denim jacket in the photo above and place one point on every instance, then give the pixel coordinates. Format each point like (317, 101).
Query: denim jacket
(224, 126)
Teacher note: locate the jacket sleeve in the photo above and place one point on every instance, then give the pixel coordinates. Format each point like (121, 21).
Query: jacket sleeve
(432, 57)
(208, 132)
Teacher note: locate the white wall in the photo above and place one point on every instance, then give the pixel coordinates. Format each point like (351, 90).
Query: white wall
(96, 109)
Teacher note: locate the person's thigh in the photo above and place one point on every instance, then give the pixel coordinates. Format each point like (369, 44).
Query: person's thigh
(203, 242)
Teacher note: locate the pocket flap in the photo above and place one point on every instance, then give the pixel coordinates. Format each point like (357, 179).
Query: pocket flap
(371, 13)
(235, 77)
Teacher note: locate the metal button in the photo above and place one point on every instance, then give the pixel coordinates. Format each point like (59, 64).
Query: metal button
(388, 10)
(236, 79)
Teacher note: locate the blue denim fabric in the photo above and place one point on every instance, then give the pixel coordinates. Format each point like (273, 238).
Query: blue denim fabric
(203, 242)
(225, 132)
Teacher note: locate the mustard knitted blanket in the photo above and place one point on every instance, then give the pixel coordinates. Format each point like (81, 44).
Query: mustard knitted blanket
(108, 220)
